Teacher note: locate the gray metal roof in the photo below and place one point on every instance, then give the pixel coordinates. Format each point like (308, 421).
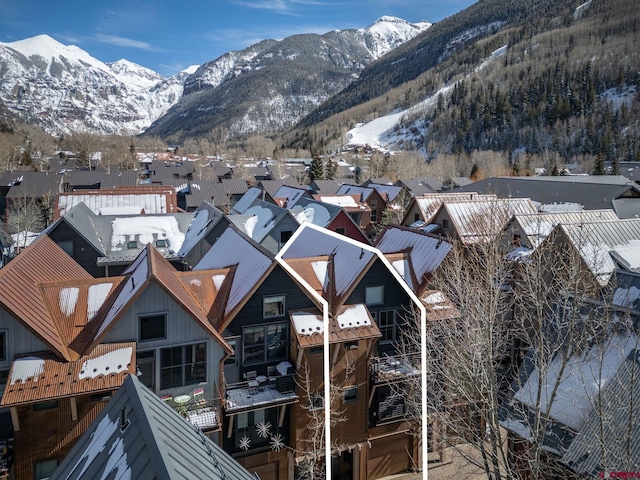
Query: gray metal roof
(252, 260)
(31, 183)
(272, 186)
(259, 219)
(591, 192)
(235, 186)
(350, 189)
(326, 186)
(103, 179)
(425, 251)
(204, 219)
(151, 441)
(314, 211)
(80, 218)
(387, 192)
(291, 194)
(350, 259)
(610, 440)
(420, 186)
(247, 199)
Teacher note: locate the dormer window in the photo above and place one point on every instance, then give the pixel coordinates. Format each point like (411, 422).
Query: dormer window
(132, 244)
(162, 243)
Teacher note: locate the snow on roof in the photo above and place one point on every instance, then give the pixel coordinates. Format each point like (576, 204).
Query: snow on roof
(68, 300)
(115, 361)
(96, 297)
(340, 200)
(146, 229)
(102, 434)
(578, 381)
(354, 316)
(307, 323)
(26, 368)
(561, 207)
(435, 298)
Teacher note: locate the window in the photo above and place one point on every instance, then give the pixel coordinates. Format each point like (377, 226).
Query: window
(147, 368)
(516, 240)
(44, 469)
(232, 359)
(416, 217)
(3, 345)
(374, 295)
(152, 327)
(273, 306)
(341, 230)
(265, 343)
(374, 215)
(4, 376)
(285, 235)
(183, 365)
(350, 394)
(316, 401)
(255, 429)
(391, 404)
(386, 320)
(132, 244)
(445, 224)
(67, 246)
(162, 243)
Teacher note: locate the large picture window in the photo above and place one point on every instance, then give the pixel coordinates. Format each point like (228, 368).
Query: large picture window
(152, 327)
(183, 365)
(386, 320)
(265, 343)
(273, 306)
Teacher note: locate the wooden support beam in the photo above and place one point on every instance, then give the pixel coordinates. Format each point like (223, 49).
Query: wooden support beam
(373, 390)
(74, 409)
(14, 419)
(283, 409)
(230, 429)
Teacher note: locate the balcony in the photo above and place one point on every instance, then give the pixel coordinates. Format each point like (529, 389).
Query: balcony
(390, 369)
(199, 411)
(260, 392)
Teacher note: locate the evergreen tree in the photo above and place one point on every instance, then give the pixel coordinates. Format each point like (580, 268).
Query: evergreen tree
(599, 169)
(330, 170)
(316, 171)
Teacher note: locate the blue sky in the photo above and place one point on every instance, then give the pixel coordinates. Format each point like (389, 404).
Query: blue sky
(168, 36)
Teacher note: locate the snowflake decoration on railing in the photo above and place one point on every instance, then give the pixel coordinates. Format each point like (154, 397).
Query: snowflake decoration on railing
(277, 442)
(245, 443)
(263, 429)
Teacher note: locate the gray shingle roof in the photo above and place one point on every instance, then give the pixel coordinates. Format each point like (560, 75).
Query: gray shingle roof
(154, 442)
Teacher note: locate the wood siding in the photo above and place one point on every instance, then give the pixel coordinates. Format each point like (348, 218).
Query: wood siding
(181, 329)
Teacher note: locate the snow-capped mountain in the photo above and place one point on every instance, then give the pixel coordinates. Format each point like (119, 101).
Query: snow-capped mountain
(267, 87)
(63, 88)
(271, 85)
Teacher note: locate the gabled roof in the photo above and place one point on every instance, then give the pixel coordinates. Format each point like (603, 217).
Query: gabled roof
(429, 203)
(420, 186)
(480, 221)
(335, 262)
(438, 306)
(235, 186)
(287, 196)
(314, 211)
(252, 262)
(348, 202)
(247, 199)
(351, 323)
(43, 376)
(259, 219)
(610, 439)
(365, 192)
(595, 192)
(537, 226)
(30, 183)
(138, 436)
(602, 245)
(326, 186)
(421, 254)
(77, 178)
(122, 200)
(42, 262)
(151, 266)
(387, 192)
(205, 218)
(80, 219)
(272, 186)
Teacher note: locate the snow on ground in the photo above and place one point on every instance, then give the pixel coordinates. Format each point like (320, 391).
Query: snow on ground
(619, 96)
(376, 132)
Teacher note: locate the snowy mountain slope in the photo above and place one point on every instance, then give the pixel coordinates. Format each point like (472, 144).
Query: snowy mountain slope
(63, 88)
(271, 85)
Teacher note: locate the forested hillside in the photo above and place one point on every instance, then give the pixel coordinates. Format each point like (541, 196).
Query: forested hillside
(562, 79)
